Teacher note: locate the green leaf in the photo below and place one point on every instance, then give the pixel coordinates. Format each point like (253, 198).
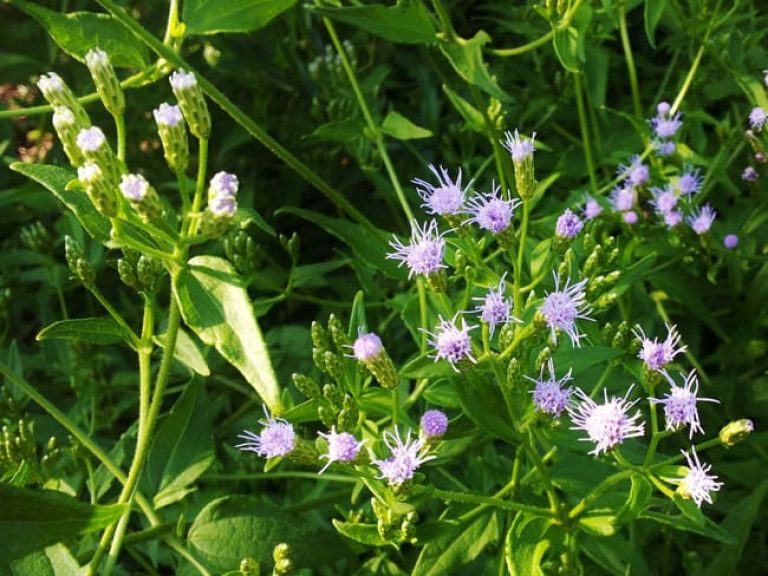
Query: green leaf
(90, 330)
(457, 543)
(236, 527)
(78, 32)
(215, 305)
(682, 522)
(472, 116)
(599, 524)
(467, 59)
(484, 404)
(214, 16)
(342, 131)
(31, 520)
(575, 359)
(186, 352)
(408, 22)
(398, 126)
(367, 534)
(371, 248)
(738, 523)
(56, 179)
(652, 13)
(182, 449)
(616, 555)
(566, 43)
(55, 560)
(524, 546)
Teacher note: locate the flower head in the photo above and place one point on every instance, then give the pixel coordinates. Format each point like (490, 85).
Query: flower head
(490, 212)
(182, 80)
(561, 308)
(447, 197)
(520, 148)
(630, 217)
(592, 208)
(495, 307)
(749, 174)
(680, 404)
(167, 115)
(50, 83)
(701, 221)
(89, 173)
(452, 343)
(664, 147)
(664, 199)
(134, 187)
(405, 457)
(550, 396)
(424, 253)
(673, 218)
(90, 139)
(731, 241)
(277, 438)
(607, 424)
(757, 118)
(697, 483)
(623, 198)
(568, 225)
(665, 125)
(222, 206)
(95, 57)
(342, 447)
(635, 173)
(367, 346)
(434, 424)
(689, 182)
(656, 355)
(223, 184)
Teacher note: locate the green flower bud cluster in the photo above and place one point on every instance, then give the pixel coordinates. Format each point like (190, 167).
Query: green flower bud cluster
(250, 567)
(241, 250)
(36, 237)
(18, 445)
(281, 554)
(80, 267)
(394, 527)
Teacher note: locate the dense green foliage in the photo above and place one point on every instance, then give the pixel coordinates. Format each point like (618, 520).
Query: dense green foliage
(137, 342)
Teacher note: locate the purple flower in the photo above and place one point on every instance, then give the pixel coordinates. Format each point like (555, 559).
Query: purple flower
(90, 139)
(223, 184)
(520, 148)
(749, 174)
(277, 438)
(623, 198)
(561, 308)
(664, 125)
(689, 182)
(424, 253)
(592, 208)
(367, 347)
(701, 221)
(757, 118)
(450, 342)
(680, 404)
(167, 115)
(673, 218)
(490, 212)
(731, 241)
(445, 198)
(134, 187)
(182, 80)
(342, 447)
(697, 483)
(664, 147)
(607, 424)
(568, 225)
(656, 355)
(50, 84)
(549, 395)
(636, 173)
(630, 217)
(222, 206)
(89, 173)
(664, 199)
(495, 308)
(434, 424)
(405, 457)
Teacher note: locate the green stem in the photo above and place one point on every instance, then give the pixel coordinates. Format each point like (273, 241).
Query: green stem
(466, 498)
(121, 137)
(238, 115)
(597, 491)
(517, 50)
(145, 360)
(584, 125)
(172, 22)
(654, 427)
(445, 21)
(116, 316)
(197, 201)
(700, 447)
(373, 127)
(183, 192)
(518, 275)
(630, 60)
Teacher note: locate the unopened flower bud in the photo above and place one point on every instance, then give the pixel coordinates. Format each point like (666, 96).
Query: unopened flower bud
(173, 135)
(127, 273)
(306, 385)
(369, 349)
(94, 146)
(57, 93)
(250, 567)
(433, 424)
(332, 365)
(338, 335)
(332, 393)
(513, 373)
(192, 102)
(142, 196)
(320, 339)
(223, 184)
(105, 79)
(98, 188)
(148, 270)
(66, 126)
(327, 416)
(736, 431)
(543, 357)
(521, 149)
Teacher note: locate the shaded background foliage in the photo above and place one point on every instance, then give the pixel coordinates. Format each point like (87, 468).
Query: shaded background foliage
(286, 76)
